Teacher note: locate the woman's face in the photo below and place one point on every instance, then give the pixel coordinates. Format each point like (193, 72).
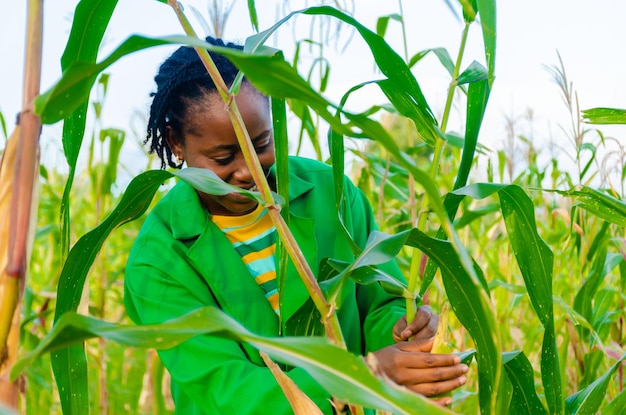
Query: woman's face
(209, 141)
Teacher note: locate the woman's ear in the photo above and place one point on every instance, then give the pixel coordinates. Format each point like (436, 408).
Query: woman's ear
(174, 143)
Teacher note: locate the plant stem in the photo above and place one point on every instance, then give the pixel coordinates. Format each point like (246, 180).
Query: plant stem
(327, 311)
(23, 201)
(414, 272)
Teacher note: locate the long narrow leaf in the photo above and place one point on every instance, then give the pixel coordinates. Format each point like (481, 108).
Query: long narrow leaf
(487, 13)
(599, 203)
(589, 399)
(520, 372)
(341, 373)
(477, 98)
(472, 306)
(535, 260)
(604, 116)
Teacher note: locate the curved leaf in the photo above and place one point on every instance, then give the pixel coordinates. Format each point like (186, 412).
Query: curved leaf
(341, 373)
(589, 399)
(91, 19)
(599, 203)
(617, 406)
(536, 261)
(70, 364)
(471, 304)
(520, 372)
(473, 73)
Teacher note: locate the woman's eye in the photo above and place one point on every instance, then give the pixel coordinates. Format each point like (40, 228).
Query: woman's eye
(262, 148)
(223, 160)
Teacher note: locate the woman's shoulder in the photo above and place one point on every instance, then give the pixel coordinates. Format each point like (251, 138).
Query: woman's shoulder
(300, 165)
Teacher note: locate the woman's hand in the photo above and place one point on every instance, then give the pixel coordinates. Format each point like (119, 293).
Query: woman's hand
(411, 365)
(423, 326)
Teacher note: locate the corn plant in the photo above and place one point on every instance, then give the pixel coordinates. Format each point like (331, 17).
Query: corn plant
(464, 266)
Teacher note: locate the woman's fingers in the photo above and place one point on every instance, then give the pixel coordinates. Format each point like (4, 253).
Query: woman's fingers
(437, 388)
(423, 326)
(425, 373)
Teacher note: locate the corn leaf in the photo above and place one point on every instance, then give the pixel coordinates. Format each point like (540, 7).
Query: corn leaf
(300, 403)
(472, 306)
(383, 22)
(393, 66)
(341, 373)
(617, 406)
(487, 11)
(524, 399)
(536, 261)
(70, 363)
(604, 116)
(599, 203)
(254, 19)
(477, 98)
(589, 399)
(441, 53)
(271, 75)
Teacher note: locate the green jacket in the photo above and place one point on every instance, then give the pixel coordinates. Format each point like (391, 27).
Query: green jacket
(181, 261)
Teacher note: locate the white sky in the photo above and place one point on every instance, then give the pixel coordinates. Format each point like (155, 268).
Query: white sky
(590, 37)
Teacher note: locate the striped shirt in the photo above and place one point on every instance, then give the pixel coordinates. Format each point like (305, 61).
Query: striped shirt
(253, 236)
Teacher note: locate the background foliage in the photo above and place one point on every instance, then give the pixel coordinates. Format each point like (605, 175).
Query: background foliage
(570, 287)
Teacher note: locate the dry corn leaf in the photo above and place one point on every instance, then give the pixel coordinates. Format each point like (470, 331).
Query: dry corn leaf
(300, 403)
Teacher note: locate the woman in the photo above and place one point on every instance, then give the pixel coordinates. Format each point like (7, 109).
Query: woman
(196, 250)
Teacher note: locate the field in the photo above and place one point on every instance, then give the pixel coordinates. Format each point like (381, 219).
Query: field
(528, 251)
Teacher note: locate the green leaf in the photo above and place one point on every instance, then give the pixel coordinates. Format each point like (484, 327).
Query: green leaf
(474, 73)
(441, 53)
(599, 203)
(487, 11)
(589, 399)
(134, 203)
(520, 372)
(70, 364)
(254, 18)
(91, 18)
(604, 116)
(281, 148)
(73, 89)
(392, 66)
(341, 373)
(404, 103)
(362, 275)
(208, 182)
(477, 97)
(383, 22)
(617, 406)
(536, 261)
(471, 304)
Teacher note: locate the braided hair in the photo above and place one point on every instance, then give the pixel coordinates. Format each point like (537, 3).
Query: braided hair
(182, 77)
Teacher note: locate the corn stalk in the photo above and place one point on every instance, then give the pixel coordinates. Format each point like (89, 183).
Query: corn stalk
(18, 170)
(327, 310)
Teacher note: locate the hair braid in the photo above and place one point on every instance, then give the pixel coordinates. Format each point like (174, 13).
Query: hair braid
(181, 77)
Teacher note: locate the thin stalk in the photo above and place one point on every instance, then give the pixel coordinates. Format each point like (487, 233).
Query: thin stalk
(414, 273)
(327, 311)
(22, 204)
(411, 305)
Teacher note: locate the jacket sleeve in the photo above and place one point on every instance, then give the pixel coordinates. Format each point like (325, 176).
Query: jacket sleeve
(212, 374)
(379, 310)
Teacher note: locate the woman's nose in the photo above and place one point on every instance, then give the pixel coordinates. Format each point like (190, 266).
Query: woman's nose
(242, 172)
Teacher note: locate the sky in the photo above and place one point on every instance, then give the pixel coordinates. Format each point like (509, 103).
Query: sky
(589, 36)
